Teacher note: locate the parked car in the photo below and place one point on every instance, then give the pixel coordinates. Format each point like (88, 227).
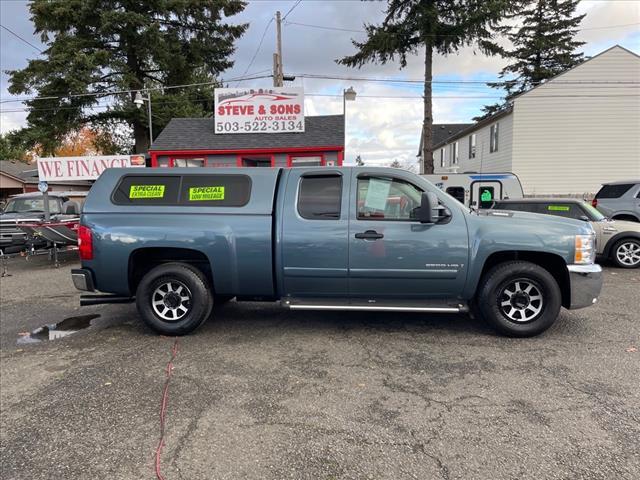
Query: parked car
(619, 200)
(478, 190)
(27, 208)
(617, 240)
(372, 239)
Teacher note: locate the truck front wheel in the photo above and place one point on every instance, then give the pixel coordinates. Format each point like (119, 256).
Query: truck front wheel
(519, 299)
(174, 299)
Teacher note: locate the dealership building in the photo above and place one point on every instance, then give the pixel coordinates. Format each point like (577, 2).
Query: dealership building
(192, 142)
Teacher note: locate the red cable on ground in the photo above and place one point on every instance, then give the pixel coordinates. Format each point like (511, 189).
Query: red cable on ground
(163, 408)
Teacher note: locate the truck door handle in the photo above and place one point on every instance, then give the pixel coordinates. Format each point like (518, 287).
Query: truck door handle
(369, 235)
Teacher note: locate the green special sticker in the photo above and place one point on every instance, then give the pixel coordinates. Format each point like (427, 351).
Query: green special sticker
(146, 191)
(558, 208)
(206, 193)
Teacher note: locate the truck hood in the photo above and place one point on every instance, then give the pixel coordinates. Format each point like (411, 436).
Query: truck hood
(514, 219)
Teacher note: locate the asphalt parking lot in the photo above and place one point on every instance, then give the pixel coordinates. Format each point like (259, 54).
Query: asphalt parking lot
(263, 393)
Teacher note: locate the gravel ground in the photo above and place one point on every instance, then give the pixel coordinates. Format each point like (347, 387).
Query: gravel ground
(263, 393)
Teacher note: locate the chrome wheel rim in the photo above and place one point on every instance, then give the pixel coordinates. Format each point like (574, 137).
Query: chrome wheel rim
(628, 253)
(521, 301)
(171, 301)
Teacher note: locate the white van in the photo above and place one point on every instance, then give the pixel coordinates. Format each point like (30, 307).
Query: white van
(478, 190)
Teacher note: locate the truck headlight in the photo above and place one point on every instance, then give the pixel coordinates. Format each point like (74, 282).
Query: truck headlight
(585, 251)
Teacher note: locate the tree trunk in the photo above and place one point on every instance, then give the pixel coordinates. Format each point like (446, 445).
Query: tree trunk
(427, 124)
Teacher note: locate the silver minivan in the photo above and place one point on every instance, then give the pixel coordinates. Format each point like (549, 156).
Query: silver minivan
(619, 200)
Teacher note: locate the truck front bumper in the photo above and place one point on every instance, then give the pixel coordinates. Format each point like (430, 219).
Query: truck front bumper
(586, 283)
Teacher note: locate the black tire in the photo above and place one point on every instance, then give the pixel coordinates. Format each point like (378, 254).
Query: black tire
(515, 277)
(170, 277)
(619, 258)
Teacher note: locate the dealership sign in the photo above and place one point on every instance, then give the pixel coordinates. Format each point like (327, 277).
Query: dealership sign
(83, 168)
(259, 110)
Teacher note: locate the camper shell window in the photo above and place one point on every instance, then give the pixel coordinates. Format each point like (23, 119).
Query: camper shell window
(191, 190)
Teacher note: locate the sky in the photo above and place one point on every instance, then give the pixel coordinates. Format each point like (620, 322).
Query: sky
(380, 130)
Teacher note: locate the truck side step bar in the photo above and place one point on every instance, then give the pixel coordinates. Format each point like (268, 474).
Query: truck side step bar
(425, 306)
(91, 299)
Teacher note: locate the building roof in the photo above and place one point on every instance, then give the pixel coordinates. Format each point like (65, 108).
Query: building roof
(197, 134)
(15, 169)
(28, 173)
(471, 127)
(442, 131)
(604, 52)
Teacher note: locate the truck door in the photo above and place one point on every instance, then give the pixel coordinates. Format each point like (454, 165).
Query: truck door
(484, 193)
(314, 236)
(392, 255)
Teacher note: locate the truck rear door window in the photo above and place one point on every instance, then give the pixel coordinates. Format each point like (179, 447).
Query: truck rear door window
(147, 190)
(319, 197)
(215, 190)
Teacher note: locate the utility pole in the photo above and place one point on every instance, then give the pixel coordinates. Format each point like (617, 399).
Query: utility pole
(278, 80)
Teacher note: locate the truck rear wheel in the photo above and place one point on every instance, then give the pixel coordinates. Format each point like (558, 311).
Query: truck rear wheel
(519, 299)
(174, 299)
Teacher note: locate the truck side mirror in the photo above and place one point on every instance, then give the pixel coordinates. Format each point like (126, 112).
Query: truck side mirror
(430, 209)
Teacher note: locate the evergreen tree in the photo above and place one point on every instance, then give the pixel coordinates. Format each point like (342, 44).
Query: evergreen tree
(359, 161)
(395, 164)
(98, 46)
(438, 26)
(543, 47)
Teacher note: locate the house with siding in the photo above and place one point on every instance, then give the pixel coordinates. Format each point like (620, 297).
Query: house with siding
(566, 136)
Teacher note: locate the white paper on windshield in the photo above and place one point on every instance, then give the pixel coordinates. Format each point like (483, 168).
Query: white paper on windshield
(377, 194)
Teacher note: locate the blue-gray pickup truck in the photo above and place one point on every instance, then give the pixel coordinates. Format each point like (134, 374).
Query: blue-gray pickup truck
(176, 241)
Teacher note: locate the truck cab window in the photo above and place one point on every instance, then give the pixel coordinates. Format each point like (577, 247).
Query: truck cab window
(386, 199)
(319, 197)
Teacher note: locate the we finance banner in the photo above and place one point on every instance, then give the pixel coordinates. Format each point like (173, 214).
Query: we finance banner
(259, 110)
(83, 168)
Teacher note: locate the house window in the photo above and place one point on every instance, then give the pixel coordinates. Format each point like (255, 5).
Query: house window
(472, 146)
(315, 161)
(442, 157)
(493, 138)
(454, 153)
(188, 162)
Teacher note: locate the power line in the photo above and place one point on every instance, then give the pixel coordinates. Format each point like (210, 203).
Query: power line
(454, 82)
(338, 95)
(253, 59)
(21, 38)
(119, 92)
(327, 27)
(291, 10)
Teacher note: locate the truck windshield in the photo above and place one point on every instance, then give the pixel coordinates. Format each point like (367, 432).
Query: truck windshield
(31, 205)
(594, 213)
